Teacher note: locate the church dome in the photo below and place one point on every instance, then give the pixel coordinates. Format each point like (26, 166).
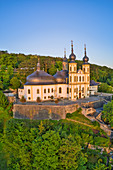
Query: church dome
(40, 78)
(60, 79)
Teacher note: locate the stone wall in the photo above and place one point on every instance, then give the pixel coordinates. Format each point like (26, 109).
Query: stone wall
(57, 112)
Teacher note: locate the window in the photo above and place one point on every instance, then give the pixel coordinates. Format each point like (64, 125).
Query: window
(70, 78)
(77, 78)
(87, 69)
(48, 90)
(44, 97)
(44, 90)
(37, 91)
(28, 91)
(79, 87)
(70, 69)
(60, 90)
(70, 90)
(88, 78)
(84, 69)
(49, 97)
(29, 98)
(74, 96)
(67, 90)
(74, 78)
(82, 89)
(74, 68)
(52, 90)
(83, 78)
(74, 90)
(80, 78)
(88, 89)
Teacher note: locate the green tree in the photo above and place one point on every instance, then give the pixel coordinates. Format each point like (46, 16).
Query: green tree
(10, 71)
(3, 100)
(52, 70)
(1, 84)
(15, 83)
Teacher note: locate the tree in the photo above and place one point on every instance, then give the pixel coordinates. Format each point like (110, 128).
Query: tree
(3, 100)
(1, 84)
(52, 70)
(10, 71)
(15, 83)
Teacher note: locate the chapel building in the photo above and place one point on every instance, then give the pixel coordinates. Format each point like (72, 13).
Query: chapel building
(70, 83)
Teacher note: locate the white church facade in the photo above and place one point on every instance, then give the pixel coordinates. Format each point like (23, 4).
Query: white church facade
(68, 83)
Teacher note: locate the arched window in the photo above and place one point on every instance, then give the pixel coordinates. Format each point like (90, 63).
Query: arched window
(70, 69)
(52, 90)
(37, 91)
(80, 78)
(28, 91)
(70, 78)
(60, 90)
(67, 90)
(48, 90)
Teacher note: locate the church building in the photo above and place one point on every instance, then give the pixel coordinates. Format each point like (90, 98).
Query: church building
(70, 83)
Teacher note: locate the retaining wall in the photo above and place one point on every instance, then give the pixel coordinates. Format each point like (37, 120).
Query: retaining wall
(57, 112)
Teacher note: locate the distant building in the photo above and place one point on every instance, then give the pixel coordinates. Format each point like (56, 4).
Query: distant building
(67, 83)
(93, 88)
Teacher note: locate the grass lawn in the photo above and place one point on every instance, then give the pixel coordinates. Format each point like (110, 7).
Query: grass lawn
(79, 117)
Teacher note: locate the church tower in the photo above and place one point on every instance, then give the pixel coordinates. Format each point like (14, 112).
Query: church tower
(65, 62)
(86, 70)
(72, 73)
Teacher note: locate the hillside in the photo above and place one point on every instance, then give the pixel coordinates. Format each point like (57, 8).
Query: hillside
(23, 65)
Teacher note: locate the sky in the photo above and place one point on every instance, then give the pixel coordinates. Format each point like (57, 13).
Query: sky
(46, 27)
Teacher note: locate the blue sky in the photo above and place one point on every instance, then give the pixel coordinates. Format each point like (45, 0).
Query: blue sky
(46, 27)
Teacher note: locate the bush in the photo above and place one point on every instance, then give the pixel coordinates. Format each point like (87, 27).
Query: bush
(22, 99)
(51, 97)
(56, 101)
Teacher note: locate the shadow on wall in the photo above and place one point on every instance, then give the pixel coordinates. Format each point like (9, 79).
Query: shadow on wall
(41, 114)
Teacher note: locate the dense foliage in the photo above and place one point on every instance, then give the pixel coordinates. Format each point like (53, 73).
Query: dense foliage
(50, 144)
(107, 114)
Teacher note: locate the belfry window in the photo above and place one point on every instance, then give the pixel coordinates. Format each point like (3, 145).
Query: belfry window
(28, 91)
(44, 90)
(83, 78)
(60, 90)
(74, 78)
(74, 68)
(48, 90)
(52, 90)
(70, 69)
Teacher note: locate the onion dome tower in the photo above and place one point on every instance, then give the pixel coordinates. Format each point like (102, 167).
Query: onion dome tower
(72, 56)
(65, 62)
(85, 58)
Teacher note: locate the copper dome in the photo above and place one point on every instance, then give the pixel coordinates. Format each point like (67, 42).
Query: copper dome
(40, 78)
(60, 79)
